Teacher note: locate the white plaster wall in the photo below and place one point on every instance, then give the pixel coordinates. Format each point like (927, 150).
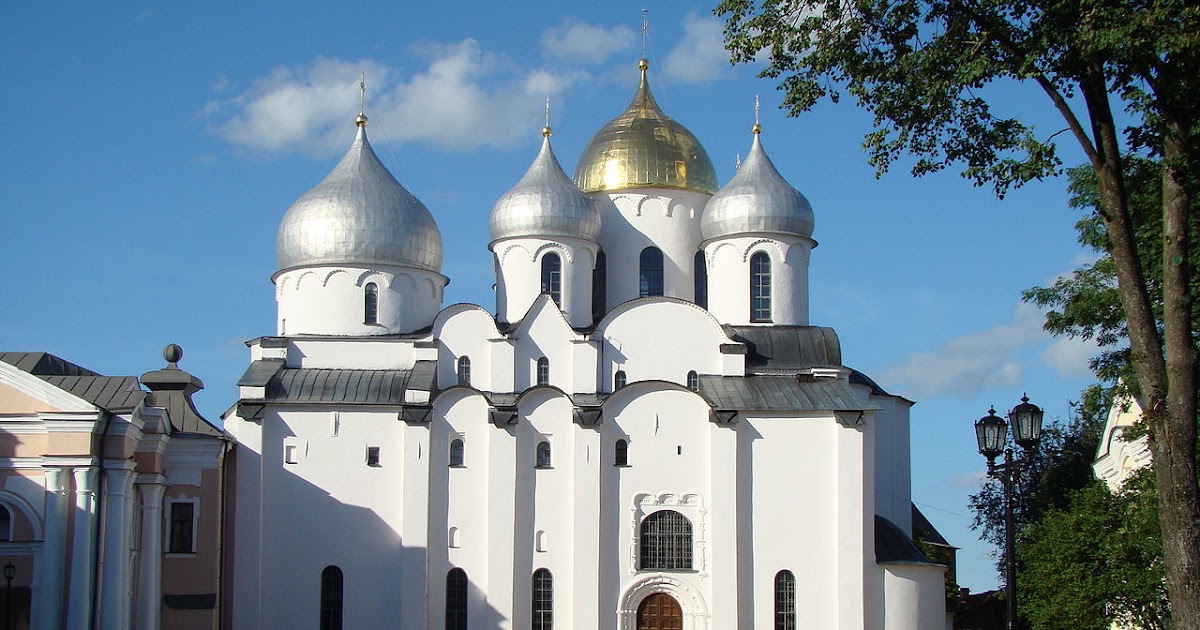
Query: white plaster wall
(729, 277)
(329, 300)
(519, 281)
(549, 492)
(470, 331)
(660, 339)
(363, 354)
(638, 218)
(914, 597)
(544, 333)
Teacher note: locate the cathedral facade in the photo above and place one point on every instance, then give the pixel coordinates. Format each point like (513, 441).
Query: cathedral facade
(646, 432)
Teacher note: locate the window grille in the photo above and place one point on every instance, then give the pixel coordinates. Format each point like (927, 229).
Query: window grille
(619, 379)
(371, 304)
(182, 534)
(464, 370)
(760, 287)
(666, 542)
(693, 381)
(700, 267)
(621, 453)
(456, 600)
(331, 598)
(552, 277)
(456, 452)
(543, 454)
(651, 272)
(543, 371)
(373, 456)
(785, 601)
(543, 600)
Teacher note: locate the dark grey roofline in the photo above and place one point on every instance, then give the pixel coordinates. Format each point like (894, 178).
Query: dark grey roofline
(893, 546)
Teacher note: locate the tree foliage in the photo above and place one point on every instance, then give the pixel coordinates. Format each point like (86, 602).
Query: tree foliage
(925, 69)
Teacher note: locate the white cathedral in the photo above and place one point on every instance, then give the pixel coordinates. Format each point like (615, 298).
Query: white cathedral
(647, 433)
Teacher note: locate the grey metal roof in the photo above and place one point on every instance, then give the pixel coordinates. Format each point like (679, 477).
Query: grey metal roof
(545, 203)
(260, 373)
(359, 214)
(780, 393)
(110, 393)
(329, 385)
(788, 347)
(756, 200)
(893, 546)
(925, 530)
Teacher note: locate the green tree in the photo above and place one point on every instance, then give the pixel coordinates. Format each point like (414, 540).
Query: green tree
(1097, 560)
(922, 67)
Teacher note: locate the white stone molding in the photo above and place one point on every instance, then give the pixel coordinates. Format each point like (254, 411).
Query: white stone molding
(149, 591)
(19, 503)
(114, 575)
(754, 246)
(54, 549)
(79, 613)
(690, 505)
(695, 610)
(27, 383)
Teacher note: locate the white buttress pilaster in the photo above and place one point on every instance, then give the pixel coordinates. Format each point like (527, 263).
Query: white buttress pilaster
(54, 549)
(115, 585)
(79, 613)
(149, 590)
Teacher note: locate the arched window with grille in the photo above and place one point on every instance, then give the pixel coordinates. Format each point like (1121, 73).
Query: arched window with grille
(456, 452)
(331, 598)
(456, 600)
(370, 304)
(665, 542)
(552, 277)
(700, 269)
(650, 272)
(543, 454)
(600, 287)
(619, 379)
(760, 287)
(543, 600)
(464, 370)
(785, 600)
(5, 524)
(621, 453)
(693, 381)
(543, 371)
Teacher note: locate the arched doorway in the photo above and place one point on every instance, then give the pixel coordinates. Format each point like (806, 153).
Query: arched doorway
(659, 611)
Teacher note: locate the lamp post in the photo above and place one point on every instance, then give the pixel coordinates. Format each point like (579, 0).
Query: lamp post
(992, 434)
(10, 572)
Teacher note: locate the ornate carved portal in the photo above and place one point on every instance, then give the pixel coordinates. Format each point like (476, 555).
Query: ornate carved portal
(659, 611)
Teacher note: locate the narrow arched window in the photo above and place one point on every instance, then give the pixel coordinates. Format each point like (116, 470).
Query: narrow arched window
(371, 304)
(600, 287)
(552, 277)
(456, 452)
(543, 371)
(5, 524)
(693, 381)
(650, 272)
(543, 454)
(331, 598)
(665, 539)
(700, 269)
(543, 600)
(464, 370)
(785, 601)
(456, 600)
(621, 453)
(760, 287)
(619, 379)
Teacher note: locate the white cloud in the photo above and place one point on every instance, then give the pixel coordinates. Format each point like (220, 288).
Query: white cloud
(971, 363)
(1071, 356)
(700, 56)
(464, 98)
(579, 42)
(968, 480)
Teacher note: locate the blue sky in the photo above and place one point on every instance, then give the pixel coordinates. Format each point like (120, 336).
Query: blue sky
(151, 149)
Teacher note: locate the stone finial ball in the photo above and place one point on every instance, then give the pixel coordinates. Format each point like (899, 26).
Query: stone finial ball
(172, 353)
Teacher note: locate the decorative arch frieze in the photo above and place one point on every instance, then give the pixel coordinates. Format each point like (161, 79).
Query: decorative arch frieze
(755, 246)
(305, 276)
(403, 283)
(433, 288)
(691, 602)
(329, 276)
(513, 247)
(373, 275)
(711, 254)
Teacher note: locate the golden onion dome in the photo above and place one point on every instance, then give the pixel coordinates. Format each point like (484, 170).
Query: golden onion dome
(645, 148)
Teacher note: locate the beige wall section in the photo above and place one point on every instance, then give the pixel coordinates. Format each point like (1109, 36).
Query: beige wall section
(17, 402)
(194, 574)
(64, 443)
(23, 444)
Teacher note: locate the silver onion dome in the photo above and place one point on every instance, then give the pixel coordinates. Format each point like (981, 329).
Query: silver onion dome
(545, 203)
(756, 200)
(359, 214)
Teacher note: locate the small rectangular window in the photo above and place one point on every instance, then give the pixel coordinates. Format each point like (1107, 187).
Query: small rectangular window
(289, 454)
(373, 456)
(181, 532)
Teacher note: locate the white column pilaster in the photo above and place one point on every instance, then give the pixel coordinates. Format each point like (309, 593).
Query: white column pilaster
(54, 549)
(79, 612)
(114, 573)
(149, 604)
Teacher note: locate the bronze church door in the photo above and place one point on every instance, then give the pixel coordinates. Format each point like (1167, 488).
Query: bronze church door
(659, 612)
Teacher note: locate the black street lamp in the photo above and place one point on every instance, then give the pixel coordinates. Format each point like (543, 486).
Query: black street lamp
(992, 434)
(10, 572)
